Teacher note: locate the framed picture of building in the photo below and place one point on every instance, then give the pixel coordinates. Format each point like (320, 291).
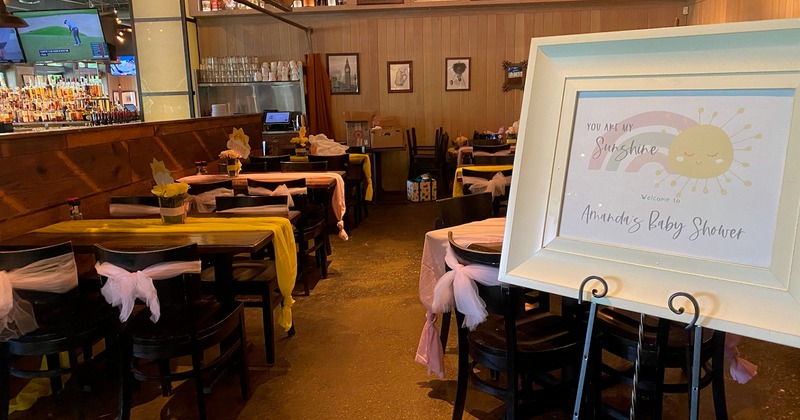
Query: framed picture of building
(344, 73)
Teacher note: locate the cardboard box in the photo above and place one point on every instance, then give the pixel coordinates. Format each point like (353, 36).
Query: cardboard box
(387, 138)
(421, 189)
(357, 125)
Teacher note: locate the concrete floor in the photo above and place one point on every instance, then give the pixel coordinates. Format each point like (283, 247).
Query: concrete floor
(353, 355)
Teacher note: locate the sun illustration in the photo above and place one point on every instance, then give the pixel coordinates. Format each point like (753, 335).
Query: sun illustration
(703, 154)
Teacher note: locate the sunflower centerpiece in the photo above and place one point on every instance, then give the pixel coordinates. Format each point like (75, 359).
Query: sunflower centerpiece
(238, 148)
(301, 143)
(171, 195)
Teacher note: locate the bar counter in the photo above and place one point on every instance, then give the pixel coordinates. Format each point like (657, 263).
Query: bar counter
(40, 170)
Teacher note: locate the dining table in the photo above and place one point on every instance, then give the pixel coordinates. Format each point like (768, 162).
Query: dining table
(331, 183)
(432, 267)
(217, 239)
(458, 180)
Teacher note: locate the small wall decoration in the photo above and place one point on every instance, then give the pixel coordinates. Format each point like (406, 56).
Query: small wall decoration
(344, 74)
(115, 97)
(515, 75)
(456, 73)
(399, 76)
(129, 97)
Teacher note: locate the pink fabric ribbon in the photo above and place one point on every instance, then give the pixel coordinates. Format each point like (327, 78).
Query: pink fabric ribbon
(741, 370)
(429, 351)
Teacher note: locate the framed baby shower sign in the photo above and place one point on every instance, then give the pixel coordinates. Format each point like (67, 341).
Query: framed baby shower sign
(662, 162)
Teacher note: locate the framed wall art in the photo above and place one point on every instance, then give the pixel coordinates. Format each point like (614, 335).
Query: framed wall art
(129, 97)
(514, 74)
(456, 73)
(662, 163)
(399, 77)
(344, 73)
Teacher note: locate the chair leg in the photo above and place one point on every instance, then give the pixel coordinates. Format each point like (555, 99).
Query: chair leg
(77, 378)
(269, 325)
(244, 374)
(718, 378)
(5, 379)
(323, 263)
(164, 370)
(198, 382)
(445, 331)
(53, 362)
(125, 378)
(463, 370)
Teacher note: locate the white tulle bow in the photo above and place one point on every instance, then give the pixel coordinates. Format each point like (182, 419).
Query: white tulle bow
(123, 287)
(497, 185)
(55, 275)
(207, 202)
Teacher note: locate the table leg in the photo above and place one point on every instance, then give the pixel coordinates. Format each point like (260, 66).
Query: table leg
(223, 276)
(377, 185)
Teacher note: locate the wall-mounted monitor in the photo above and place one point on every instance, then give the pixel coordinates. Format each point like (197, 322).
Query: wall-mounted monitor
(63, 35)
(10, 50)
(126, 66)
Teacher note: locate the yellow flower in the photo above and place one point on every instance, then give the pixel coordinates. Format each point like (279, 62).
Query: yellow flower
(170, 190)
(302, 132)
(230, 154)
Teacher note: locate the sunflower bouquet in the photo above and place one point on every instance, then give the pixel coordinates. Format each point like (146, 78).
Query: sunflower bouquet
(301, 140)
(171, 195)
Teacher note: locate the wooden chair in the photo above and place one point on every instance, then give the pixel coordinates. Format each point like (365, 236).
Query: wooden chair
(457, 211)
(537, 351)
(666, 346)
(133, 206)
(335, 162)
(482, 160)
(196, 189)
(428, 159)
(273, 162)
(269, 205)
(190, 323)
(254, 167)
(311, 230)
(499, 201)
(255, 278)
(490, 148)
(304, 166)
(70, 323)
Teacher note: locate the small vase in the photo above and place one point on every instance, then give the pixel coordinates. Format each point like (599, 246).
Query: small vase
(233, 166)
(173, 210)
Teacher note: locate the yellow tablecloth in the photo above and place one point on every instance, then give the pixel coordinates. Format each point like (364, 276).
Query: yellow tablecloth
(281, 228)
(361, 158)
(458, 185)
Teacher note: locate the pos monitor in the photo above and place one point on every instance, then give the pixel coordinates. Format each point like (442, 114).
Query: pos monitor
(63, 35)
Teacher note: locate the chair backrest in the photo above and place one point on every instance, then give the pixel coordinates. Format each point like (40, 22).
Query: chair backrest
(441, 147)
(144, 200)
(273, 162)
(271, 185)
(178, 290)
(357, 149)
(492, 160)
(484, 174)
(464, 209)
(254, 167)
(10, 260)
(199, 188)
(490, 148)
(479, 139)
(304, 166)
(335, 162)
(225, 203)
(474, 255)
(133, 206)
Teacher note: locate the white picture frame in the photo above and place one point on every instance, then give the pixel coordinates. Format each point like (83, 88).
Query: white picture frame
(751, 300)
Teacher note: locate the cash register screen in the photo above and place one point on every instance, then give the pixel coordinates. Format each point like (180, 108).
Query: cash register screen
(277, 118)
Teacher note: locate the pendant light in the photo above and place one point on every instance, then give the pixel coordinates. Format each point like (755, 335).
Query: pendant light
(7, 20)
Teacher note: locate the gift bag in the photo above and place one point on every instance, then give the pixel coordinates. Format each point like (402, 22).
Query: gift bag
(421, 188)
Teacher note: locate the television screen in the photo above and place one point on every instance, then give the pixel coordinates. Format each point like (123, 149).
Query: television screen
(126, 66)
(63, 35)
(10, 50)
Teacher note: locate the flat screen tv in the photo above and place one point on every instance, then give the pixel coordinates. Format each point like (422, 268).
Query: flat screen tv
(62, 35)
(126, 66)
(10, 50)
